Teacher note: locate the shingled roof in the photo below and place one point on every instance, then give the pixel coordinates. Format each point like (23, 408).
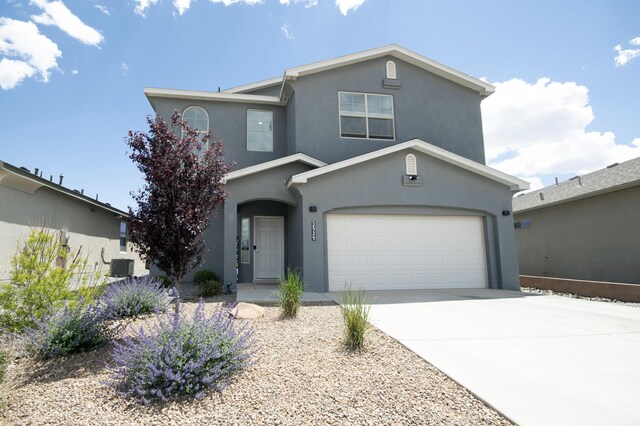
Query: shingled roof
(613, 178)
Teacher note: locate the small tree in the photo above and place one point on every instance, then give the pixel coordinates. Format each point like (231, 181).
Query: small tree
(183, 186)
(43, 275)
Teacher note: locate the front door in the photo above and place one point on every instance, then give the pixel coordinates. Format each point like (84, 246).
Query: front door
(269, 247)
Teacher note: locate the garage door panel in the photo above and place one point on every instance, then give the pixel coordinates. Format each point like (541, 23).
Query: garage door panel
(405, 252)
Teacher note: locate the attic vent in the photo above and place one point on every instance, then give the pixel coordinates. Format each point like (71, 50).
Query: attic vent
(412, 165)
(541, 194)
(391, 70)
(608, 167)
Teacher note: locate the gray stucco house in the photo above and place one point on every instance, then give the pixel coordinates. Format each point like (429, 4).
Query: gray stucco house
(366, 169)
(27, 199)
(586, 228)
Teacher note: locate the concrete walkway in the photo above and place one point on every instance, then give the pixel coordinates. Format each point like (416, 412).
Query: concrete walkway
(538, 359)
(266, 294)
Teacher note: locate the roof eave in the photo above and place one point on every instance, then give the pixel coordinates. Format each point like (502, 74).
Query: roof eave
(514, 184)
(152, 92)
(579, 197)
(40, 182)
(483, 88)
(299, 157)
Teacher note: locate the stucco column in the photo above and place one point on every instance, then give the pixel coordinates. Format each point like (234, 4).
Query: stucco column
(230, 233)
(508, 253)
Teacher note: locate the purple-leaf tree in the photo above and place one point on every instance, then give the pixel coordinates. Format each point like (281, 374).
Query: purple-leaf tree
(184, 182)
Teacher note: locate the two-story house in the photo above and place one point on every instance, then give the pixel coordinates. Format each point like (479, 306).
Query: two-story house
(366, 169)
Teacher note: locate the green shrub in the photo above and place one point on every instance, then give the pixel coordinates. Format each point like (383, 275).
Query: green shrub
(181, 356)
(165, 280)
(355, 314)
(43, 273)
(65, 331)
(208, 282)
(289, 293)
(210, 288)
(133, 297)
(205, 275)
(3, 364)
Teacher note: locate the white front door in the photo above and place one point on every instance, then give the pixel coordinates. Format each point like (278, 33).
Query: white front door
(268, 247)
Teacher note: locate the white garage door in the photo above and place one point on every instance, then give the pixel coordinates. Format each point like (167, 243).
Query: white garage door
(382, 252)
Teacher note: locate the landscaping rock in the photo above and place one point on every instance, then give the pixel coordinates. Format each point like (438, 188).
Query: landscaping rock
(247, 311)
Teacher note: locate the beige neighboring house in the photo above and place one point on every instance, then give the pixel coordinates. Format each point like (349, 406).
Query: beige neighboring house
(28, 200)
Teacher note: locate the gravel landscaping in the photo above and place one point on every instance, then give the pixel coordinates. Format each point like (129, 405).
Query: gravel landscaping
(577, 296)
(303, 376)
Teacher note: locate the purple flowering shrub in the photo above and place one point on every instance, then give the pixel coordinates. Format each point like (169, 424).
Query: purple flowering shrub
(182, 356)
(74, 328)
(133, 297)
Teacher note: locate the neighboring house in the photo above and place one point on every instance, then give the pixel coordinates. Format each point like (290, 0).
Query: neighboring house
(587, 228)
(366, 169)
(27, 200)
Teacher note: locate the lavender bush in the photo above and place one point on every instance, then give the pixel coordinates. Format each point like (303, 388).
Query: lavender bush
(74, 328)
(182, 356)
(133, 297)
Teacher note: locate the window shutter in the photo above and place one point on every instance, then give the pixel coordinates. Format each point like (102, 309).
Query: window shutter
(391, 70)
(412, 165)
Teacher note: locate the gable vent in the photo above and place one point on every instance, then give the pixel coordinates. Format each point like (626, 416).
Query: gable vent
(412, 165)
(391, 70)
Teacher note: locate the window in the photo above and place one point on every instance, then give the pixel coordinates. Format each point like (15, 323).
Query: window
(123, 236)
(391, 70)
(259, 130)
(198, 119)
(245, 253)
(366, 116)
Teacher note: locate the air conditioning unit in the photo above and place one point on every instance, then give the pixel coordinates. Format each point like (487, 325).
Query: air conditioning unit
(121, 267)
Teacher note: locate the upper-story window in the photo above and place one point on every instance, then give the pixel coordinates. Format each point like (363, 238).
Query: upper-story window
(367, 116)
(259, 130)
(198, 119)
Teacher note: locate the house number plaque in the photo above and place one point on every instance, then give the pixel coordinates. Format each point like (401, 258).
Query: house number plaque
(313, 230)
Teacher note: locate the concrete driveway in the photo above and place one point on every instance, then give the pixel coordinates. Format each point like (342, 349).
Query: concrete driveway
(538, 359)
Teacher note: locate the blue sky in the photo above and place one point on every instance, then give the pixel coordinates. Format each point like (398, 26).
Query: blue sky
(72, 72)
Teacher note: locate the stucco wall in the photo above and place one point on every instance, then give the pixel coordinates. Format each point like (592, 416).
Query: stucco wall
(228, 122)
(375, 187)
(426, 106)
(594, 239)
(91, 230)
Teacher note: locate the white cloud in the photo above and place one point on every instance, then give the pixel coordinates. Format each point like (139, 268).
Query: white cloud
(626, 55)
(541, 128)
(57, 14)
(286, 31)
(143, 5)
(230, 2)
(309, 3)
(182, 5)
(346, 6)
(74, 72)
(102, 9)
(28, 52)
(124, 68)
(12, 72)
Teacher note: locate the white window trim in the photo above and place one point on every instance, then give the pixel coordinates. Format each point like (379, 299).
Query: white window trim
(247, 129)
(200, 131)
(366, 116)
